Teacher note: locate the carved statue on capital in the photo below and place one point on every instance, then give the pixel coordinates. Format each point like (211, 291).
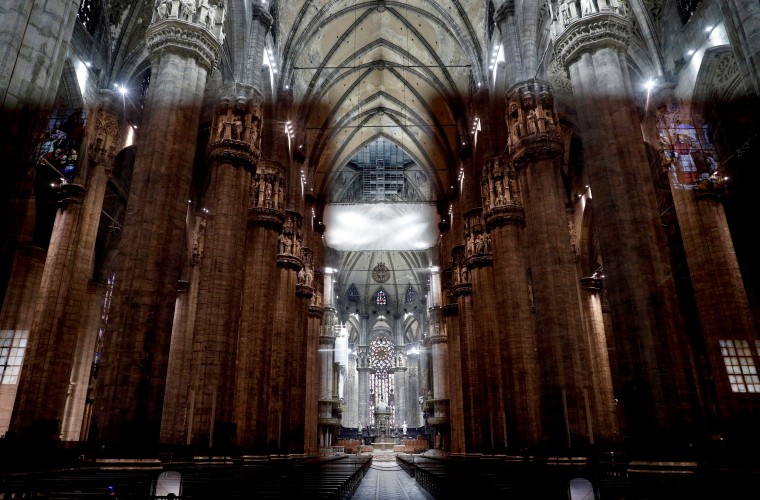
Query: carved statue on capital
(267, 188)
(531, 116)
(238, 121)
(500, 185)
(475, 236)
(291, 237)
(102, 144)
(208, 14)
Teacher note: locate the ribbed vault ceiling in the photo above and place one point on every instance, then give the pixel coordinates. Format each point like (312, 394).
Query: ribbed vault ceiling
(396, 71)
(364, 69)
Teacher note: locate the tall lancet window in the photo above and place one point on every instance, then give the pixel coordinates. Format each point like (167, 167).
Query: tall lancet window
(381, 298)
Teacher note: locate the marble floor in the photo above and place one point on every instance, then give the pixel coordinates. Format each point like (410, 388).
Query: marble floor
(386, 480)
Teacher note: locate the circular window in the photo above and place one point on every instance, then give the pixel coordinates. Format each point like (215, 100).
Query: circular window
(381, 273)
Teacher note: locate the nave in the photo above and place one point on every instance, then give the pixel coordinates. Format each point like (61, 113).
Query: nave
(385, 479)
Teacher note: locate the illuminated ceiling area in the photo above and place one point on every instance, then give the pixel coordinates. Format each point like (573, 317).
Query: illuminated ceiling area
(383, 226)
(381, 201)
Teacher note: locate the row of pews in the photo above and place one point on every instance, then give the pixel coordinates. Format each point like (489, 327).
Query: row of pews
(527, 478)
(331, 478)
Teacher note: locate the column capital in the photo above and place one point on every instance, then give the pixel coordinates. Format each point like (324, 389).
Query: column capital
(460, 275)
(500, 190)
(260, 13)
(105, 129)
(450, 310)
(69, 194)
(477, 240)
(591, 284)
(506, 9)
(266, 217)
(589, 33)
(532, 122)
(236, 128)
(188, 39)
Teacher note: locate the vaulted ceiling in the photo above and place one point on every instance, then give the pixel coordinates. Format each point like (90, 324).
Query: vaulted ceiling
(392, 72)
(401, 70)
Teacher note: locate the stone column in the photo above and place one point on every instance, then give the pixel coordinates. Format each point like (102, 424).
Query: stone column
(60, 333)
(176, 419)
(721, 299)
(510, 35)
(653, 353)
(327, 357)
(536, 148)
(35, 37)
(601, 383)
(130, 392)
(744, 32)
(437, 338)
(266, 216)
(504, 215)
(484, 343)
(363, 367)
(316, 313)
(232, 154)
(399, 370)
(17, 316)
(466, 426)
(76, 402)
(298, 353)
(282, 382)
(326, 378)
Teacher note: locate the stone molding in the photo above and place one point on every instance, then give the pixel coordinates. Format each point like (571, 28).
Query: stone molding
(235, 153)
(533, 127)
(586, 34)
(450, 309)
(289, 261)
(184, 38)
(512, 213)
(236, 129)
(479, 260)
(266, 217)
(591, 284)
(102, 148)
(477, 241)
(258, 11)
(69, 194)
(316, 312)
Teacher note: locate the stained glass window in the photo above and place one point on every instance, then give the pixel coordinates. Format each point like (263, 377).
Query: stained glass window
(381, 351)
(381, 299)
(410, 295)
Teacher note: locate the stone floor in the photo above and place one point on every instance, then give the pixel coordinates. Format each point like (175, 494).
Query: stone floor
(386, 480)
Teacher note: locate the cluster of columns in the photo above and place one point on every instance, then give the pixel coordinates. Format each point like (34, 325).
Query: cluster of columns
(196, 352)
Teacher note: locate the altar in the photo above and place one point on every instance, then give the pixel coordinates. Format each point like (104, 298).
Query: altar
(384, 440)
